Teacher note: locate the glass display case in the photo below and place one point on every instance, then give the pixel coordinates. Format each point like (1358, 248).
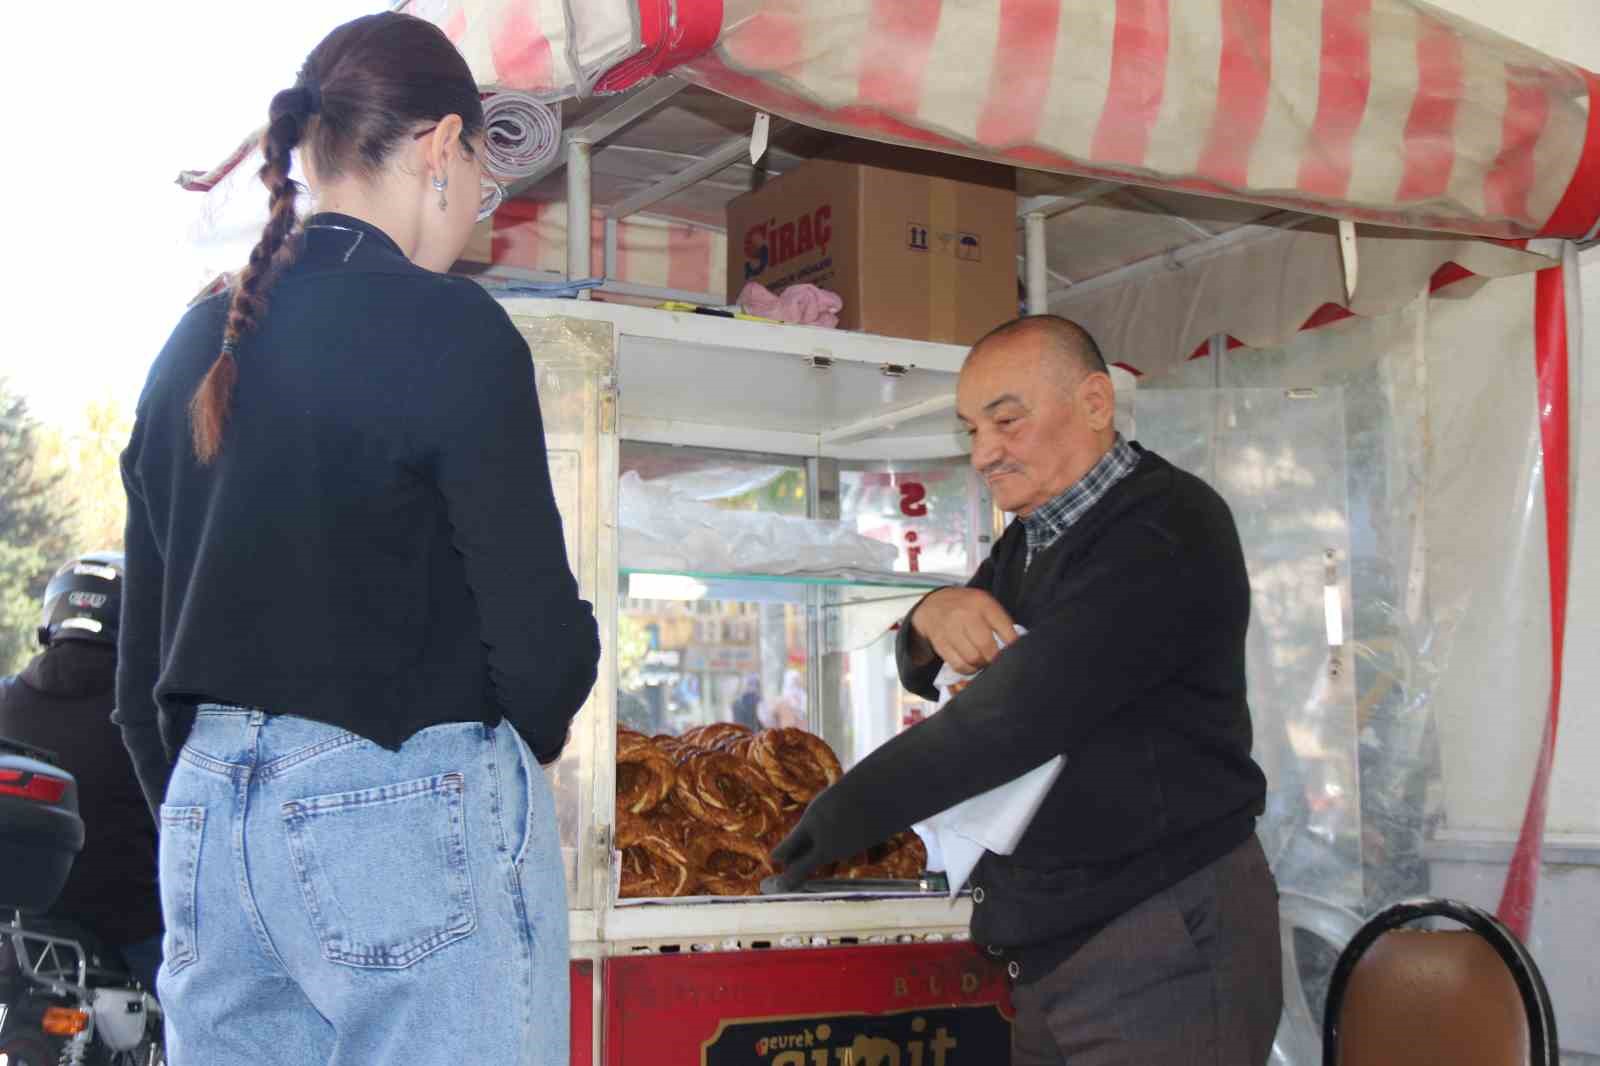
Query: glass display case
(574, 375)
(852, 432)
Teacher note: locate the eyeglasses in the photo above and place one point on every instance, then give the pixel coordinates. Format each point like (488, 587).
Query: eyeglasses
(491, 194)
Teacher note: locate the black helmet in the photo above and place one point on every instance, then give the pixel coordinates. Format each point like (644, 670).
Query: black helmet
(84, 600)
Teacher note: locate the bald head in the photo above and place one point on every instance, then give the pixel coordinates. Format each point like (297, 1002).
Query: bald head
(1063, 345)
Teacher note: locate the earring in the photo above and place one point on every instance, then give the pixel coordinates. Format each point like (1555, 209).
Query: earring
(439, 184)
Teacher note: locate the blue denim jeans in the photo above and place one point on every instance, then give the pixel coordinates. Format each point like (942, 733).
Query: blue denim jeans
(329, 901)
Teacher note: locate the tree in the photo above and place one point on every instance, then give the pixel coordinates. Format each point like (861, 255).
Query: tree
(84, 459)
(37, 527)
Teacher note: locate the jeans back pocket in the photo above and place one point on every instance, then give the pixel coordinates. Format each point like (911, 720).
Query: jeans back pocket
(182, 830)
(383, 871)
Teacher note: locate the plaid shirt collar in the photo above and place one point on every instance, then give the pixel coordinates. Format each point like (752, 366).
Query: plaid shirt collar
(1051, 520)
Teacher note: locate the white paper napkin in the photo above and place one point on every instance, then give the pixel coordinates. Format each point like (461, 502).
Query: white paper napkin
(956, 838)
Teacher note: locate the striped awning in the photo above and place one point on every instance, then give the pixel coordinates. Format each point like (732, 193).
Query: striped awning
(1379, 110)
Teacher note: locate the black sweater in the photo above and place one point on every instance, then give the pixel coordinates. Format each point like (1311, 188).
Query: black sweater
(1133, 667)
(377, 546)
(62, 703)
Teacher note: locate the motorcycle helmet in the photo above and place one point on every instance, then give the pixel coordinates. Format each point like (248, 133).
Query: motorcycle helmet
(84, 600)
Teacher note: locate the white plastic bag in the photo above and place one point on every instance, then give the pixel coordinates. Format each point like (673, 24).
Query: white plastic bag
(662, 529)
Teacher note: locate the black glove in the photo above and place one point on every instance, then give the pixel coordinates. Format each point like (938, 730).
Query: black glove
(800, 854)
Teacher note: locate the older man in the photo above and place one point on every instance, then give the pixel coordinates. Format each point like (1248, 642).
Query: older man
(1137, 917)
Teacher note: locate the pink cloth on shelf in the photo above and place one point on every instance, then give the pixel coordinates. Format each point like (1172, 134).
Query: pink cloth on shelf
(804, 305)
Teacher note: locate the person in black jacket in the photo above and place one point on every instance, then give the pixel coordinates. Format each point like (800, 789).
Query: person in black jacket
(62, 702)
(350, 634)
(1137, 916)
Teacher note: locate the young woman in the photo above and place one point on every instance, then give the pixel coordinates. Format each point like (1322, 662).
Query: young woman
(350, 633)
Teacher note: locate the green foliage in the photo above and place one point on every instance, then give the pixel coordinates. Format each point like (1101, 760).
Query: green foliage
(37, 527)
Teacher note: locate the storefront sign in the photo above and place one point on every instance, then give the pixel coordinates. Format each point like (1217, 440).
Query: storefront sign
(954, 1036)
(722, 659)
(872, 1005)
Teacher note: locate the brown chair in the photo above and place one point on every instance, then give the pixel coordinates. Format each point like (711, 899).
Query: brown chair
(1412, 997)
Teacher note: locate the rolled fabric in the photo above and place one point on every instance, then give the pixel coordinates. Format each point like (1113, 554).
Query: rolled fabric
(523, 133)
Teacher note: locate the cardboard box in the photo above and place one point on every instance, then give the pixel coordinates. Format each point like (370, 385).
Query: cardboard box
(919, 244)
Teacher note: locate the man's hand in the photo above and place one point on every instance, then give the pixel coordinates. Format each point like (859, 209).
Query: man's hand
(959, 625)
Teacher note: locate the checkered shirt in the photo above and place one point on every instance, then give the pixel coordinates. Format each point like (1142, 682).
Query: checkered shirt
(1050, 520)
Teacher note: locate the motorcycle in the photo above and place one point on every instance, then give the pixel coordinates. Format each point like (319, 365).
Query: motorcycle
(63, 1000)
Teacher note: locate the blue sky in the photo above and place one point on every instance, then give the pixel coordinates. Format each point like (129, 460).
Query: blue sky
(114, 99)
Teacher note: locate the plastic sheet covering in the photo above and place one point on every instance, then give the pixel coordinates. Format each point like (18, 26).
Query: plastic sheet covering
(1382, 110)
(1279, 460)
(666, 530)
(1409, 445)
(1498, 474)
(572, 359)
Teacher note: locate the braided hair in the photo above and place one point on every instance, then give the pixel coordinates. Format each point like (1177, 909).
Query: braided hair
(362, 90)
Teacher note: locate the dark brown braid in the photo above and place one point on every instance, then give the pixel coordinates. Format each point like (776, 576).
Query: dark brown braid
(208, 410)
(363, 89)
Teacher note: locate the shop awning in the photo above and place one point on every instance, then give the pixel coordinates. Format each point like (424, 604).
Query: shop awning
(1374, 110)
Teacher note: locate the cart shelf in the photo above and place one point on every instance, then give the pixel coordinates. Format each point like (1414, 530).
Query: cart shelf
(787, 922)
(906, 582)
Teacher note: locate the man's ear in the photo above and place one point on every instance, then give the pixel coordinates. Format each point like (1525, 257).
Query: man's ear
(1097, 397)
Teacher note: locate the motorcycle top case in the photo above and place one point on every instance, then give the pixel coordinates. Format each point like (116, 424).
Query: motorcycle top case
(40, 830)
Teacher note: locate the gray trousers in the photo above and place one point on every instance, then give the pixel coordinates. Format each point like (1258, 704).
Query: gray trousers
(1191, 975)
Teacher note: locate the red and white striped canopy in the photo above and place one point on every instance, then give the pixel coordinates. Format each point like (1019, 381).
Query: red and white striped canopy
(1379, 110)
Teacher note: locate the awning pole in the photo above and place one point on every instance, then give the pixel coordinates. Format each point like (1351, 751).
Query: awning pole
(1038, 265)
(579, 235)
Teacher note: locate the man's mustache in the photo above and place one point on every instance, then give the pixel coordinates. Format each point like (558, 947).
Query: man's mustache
(995, 470)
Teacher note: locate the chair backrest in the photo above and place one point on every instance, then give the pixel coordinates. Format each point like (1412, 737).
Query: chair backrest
(1469, 997)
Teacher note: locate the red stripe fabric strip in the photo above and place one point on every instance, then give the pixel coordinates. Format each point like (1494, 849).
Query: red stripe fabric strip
(1343, 87)
(771, 41)
(1510, 177)
(894, 56)
(1430, 148)
(521, 52)
(713, 73)
(689, 259)
(622, 268)
(1019, 80)
(1550, 355)
(1579, 210)
(455, 26)
(1448, 274)
(1244, 78)
(1138, 82)
(514, 239)
(670, 34)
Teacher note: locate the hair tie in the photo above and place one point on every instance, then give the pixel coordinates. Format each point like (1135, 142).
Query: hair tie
(312, 93)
